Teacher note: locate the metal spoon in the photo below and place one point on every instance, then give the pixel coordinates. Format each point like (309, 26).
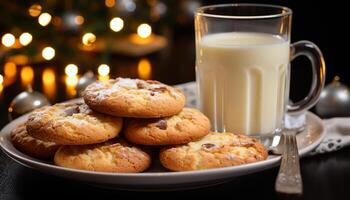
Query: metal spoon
(289, 178)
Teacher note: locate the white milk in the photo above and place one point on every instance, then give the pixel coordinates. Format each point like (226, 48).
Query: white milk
(243, 79)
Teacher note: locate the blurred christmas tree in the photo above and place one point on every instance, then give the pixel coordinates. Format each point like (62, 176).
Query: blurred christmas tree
(38, 31)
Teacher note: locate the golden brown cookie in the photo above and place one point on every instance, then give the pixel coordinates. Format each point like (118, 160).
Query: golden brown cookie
(126, 97)
(31, 146)
(111, 156)
(72, 124)
(213, 151)
(189, 125)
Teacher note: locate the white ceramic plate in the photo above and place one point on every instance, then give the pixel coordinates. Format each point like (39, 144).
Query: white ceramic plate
(157, 178)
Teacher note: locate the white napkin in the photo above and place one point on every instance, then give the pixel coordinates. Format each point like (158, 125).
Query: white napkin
(337, 135)
(337, 129)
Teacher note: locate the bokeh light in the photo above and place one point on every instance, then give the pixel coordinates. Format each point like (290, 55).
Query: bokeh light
(25, 39)
(103, 70)
(44, 19)
(71, 83)
(71, 70)
(49, 83)
(110, 3)
(27, 75)
(144, 30)
(10, 69)
(116, 24)
(8, 40)
(144, 69)
(48, 53)
(79, 20)
(88, 39)
(34, 10)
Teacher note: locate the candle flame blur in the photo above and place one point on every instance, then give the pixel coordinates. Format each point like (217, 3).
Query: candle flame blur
(27, 75)
(10, 71)
(49, 83)
(103, 78)
(144, 69)
(103, 72)
(71, 83)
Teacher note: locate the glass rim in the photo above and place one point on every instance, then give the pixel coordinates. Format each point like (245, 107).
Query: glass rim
(201, 11)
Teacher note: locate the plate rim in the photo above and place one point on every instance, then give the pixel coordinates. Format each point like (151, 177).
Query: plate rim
(231, 169)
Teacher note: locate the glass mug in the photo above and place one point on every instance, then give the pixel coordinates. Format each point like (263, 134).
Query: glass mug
(243, 55)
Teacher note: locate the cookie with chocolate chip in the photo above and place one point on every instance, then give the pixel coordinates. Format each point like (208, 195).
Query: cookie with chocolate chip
(137, 98)
(186, 126)
(110, 156)
(32, 146)
(72, 124)
(213, 151)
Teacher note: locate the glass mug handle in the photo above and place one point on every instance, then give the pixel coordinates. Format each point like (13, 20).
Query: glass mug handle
(314, 54)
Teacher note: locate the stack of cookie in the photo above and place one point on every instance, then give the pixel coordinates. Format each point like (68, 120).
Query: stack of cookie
(86, 135)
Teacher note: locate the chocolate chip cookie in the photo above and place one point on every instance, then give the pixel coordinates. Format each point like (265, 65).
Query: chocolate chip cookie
(189, 125)
(32, 146)
(111, 156)
(72, 124)
(126, 97)
(213, 151)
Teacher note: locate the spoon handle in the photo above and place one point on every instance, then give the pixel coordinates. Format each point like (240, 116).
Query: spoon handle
(289, 178)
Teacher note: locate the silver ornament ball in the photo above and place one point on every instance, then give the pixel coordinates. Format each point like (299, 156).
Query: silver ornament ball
(334, 100)
(84, 81)
(25, 102)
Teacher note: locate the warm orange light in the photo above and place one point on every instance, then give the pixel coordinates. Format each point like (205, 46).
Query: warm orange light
(27, 75)
(110, 3)
(71, 83)
(49, 83)
(136, 39)
(57, 21)
(88, 39)
(19, 59)
(10, 69)
(144, 69)
(103, 78)
(34, 10)
(79, 20)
